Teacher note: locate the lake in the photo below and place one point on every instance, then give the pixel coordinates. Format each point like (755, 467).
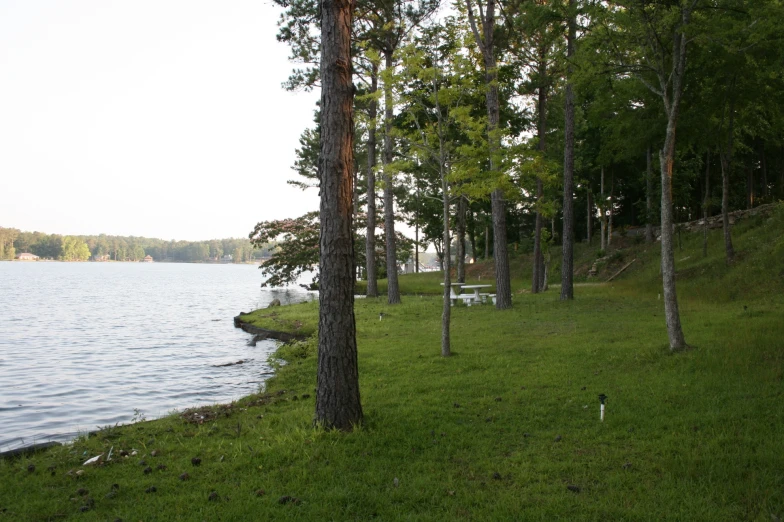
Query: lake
(86, 345)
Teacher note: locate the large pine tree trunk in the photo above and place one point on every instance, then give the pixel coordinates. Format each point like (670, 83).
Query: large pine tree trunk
(484, 40)
(567, 262)
(370, 244)
(393, 290)
(337, 389)
(649, 196)
(541, 131)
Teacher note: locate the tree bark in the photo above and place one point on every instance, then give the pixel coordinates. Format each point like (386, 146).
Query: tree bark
(485, 41)
(355, 206)
(649, 196)
(393, 290)
(567, 261)
(446, 312)
(416, 247)
(706, 206)
(726, 167)
(472, 233)
(536, 276)
(370, 244)
(764, 168)
(461, 244)
(337, 391)
(487, 242)
(780, 168)
(671, 312)
(666, 159)
(610, 211)
(589, 217)
(541, 130)
(603, 219)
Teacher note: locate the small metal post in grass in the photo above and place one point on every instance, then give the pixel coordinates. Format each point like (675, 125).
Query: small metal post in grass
(602, 398)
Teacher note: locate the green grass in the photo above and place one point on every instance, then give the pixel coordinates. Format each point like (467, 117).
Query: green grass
(692, 436)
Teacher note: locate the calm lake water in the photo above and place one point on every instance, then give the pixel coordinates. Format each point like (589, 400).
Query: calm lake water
(87, 344)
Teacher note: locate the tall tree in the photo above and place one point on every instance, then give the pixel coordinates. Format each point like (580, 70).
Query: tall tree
(387, 23)
(337, 391)
(567, 263)
(484, 35)
(651, 40)
(435, 80)
(370, 243)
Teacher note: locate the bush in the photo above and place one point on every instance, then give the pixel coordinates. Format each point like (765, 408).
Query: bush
(297, 349)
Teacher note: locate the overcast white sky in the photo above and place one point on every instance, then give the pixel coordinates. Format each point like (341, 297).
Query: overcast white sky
(157, 118)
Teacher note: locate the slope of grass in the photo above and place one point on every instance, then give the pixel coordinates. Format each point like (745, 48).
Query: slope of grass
(507, 429)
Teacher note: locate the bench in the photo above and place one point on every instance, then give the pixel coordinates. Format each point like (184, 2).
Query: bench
(468, 299)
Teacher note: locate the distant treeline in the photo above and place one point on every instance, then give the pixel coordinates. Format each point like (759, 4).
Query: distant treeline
(126, 248)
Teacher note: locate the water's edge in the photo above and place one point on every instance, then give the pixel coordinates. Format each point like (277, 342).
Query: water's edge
(258, 333)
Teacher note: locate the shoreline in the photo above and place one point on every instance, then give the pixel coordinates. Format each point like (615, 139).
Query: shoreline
(259, 334)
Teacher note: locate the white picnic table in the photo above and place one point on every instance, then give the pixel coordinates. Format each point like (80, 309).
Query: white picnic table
(452, 286)
(476, 288)
(469, 298)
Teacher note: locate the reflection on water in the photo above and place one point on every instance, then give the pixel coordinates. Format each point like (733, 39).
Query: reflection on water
(83, 345)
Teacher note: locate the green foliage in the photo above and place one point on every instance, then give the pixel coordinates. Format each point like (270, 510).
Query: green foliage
(74, 249)
(7, 238)
(297, 249)
(133, 248)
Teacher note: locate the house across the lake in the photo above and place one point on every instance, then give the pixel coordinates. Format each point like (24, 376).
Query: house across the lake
(27, 256)
(148, 259)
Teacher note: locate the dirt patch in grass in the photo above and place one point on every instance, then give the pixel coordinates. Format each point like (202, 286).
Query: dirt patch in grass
(267, 398)
(207, 413)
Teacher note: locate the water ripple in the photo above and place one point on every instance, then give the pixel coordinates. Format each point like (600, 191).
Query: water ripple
(88, 344)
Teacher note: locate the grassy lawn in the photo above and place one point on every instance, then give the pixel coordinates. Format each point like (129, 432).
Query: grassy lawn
(506, 429)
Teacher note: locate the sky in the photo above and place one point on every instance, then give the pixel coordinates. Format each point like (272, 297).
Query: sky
(155, 118)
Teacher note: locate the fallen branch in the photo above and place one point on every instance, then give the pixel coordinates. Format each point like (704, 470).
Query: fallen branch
(616, 274)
